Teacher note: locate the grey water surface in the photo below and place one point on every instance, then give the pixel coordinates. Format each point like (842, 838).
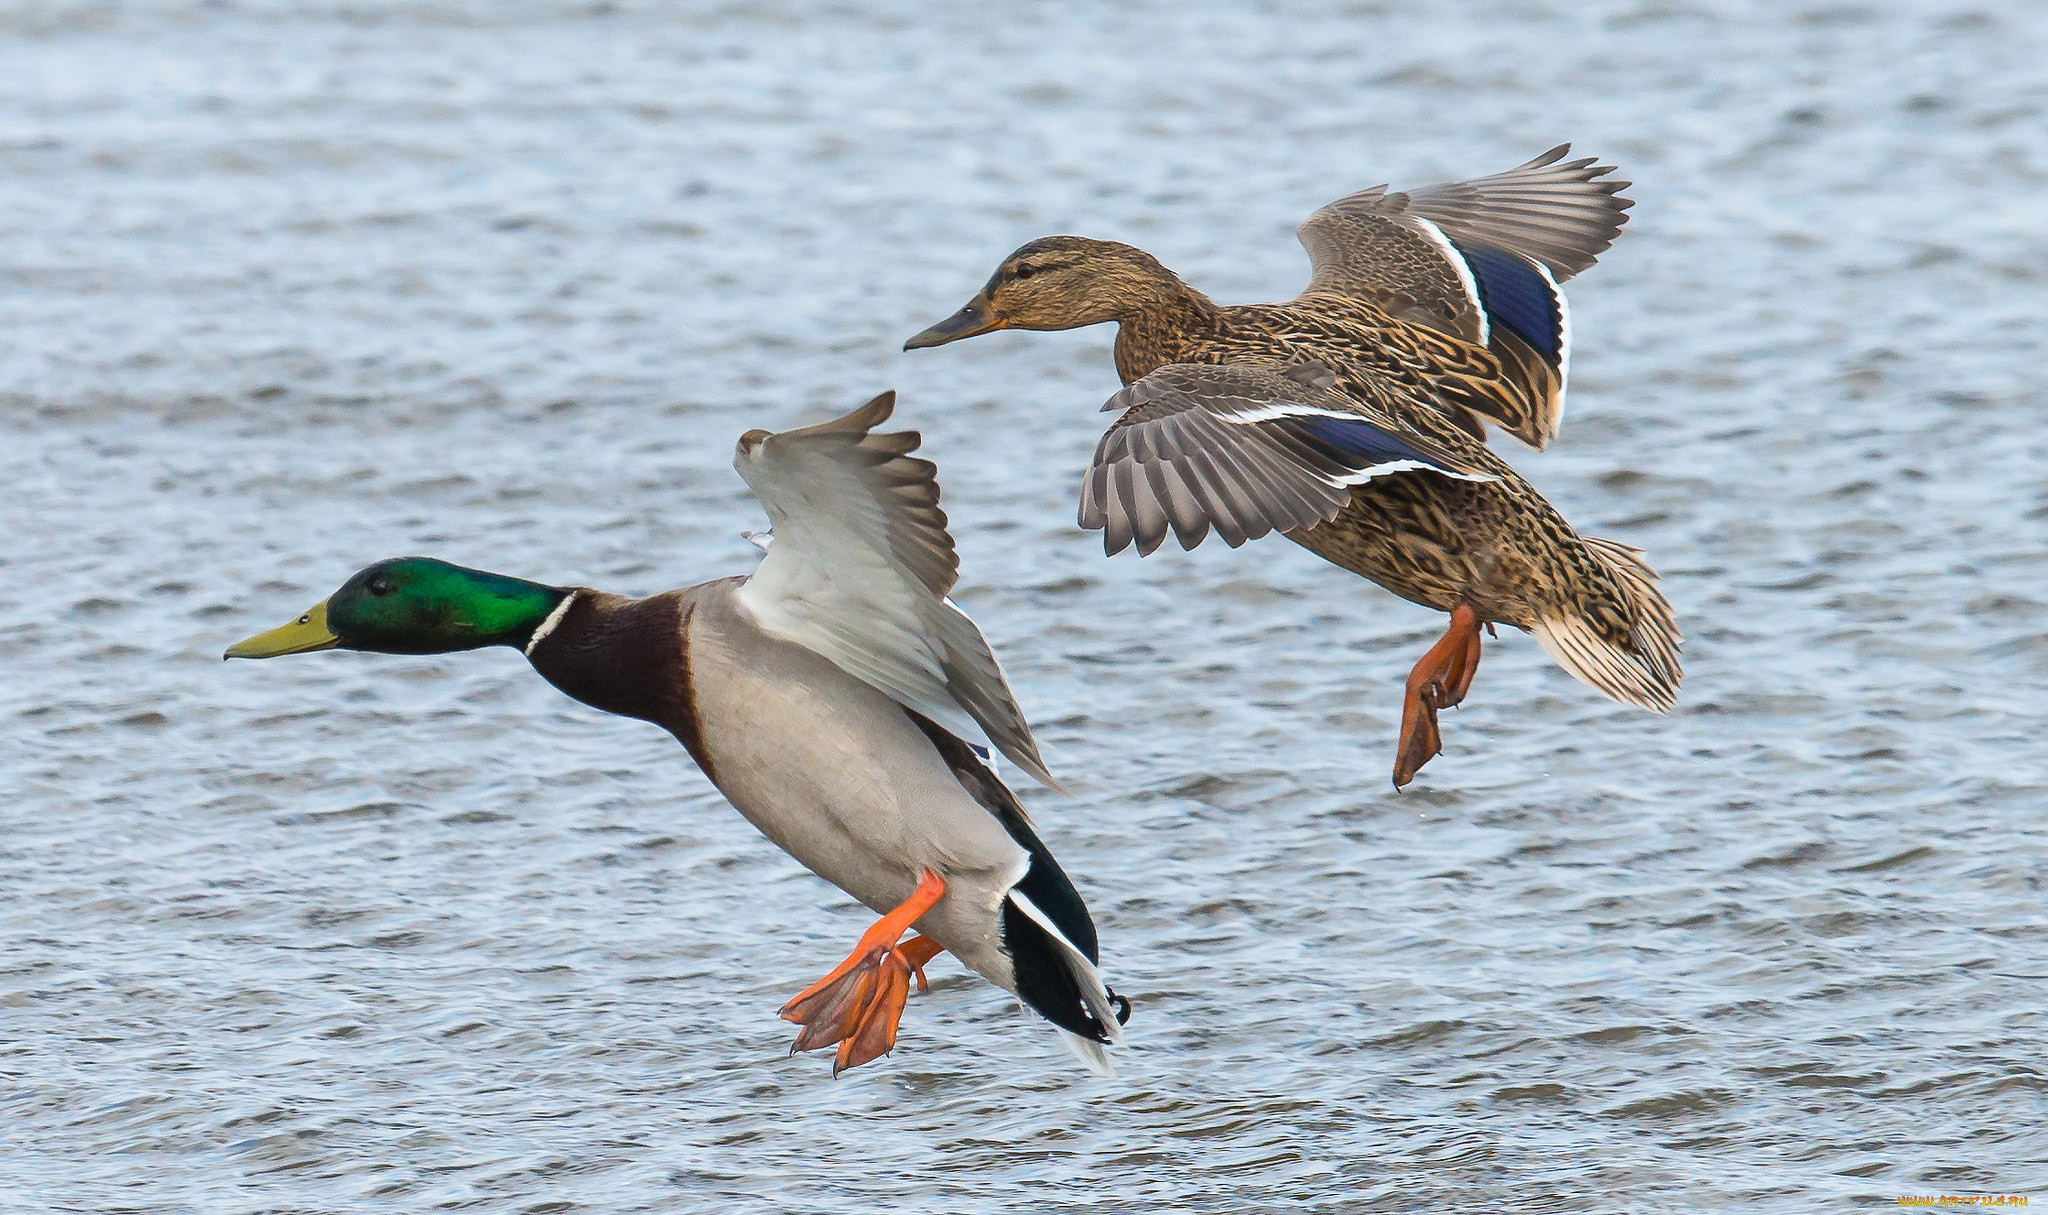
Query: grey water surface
(289, 287)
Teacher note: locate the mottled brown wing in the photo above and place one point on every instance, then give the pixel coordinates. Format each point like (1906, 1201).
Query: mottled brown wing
(1377, 244)
(1366, 247)
(1247, 450)
(1501, 245)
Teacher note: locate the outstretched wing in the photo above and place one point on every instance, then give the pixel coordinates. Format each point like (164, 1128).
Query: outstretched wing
(1480, 260)
(859, 571)
(1551, 210)
(1247, 450)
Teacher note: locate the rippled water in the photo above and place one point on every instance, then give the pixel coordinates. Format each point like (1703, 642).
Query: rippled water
(285, 288)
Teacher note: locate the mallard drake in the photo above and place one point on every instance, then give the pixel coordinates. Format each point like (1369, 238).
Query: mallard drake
(1338, 423)
(1448, 293)
(830, 696)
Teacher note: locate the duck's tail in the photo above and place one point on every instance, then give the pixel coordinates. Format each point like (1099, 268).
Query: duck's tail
(1623, 644)
(1058, 978)
(1053, 952)
(1042, 923)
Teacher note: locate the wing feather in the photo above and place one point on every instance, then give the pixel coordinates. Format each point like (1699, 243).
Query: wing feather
(1563, 213)
(1094, 487)
(1156, 515)
(860, 568)
(1239, 484)
(1245, 450)
(1399, 247)
(1214, 499)
(1119, 534)
(1182, 507)
(1475, 258)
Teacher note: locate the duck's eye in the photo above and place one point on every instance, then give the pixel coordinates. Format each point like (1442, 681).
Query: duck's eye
(381, 586)
(1026, 271)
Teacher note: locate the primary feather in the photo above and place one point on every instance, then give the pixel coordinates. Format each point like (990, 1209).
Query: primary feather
(859, 571)
(1248, 449)
(1479, 260)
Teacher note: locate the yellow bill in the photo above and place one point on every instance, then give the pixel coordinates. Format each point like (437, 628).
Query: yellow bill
(302, 636)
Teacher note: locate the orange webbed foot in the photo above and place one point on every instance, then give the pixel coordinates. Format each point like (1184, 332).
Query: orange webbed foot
(860, 1003)
(874, 1029)
(1421, 741)
(1440, 680)
(832, 1012)
(918, 951)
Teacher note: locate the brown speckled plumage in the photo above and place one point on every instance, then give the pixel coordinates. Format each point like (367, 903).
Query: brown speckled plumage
(1449, 293)
(1402, 343)
(1497, 546)
(1377, 358)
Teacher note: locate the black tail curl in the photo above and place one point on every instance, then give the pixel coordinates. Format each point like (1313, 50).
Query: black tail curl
(1046, 978)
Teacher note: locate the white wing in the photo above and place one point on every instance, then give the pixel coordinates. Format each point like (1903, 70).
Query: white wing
(859, 570)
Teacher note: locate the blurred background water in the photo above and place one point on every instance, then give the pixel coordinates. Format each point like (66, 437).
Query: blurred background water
(289, 287)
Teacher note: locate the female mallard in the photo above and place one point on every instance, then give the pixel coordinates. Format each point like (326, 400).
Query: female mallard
(1297, 417)
(1448, 293)
(827, 696)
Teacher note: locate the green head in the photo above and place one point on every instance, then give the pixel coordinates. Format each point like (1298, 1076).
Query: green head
(413, 605)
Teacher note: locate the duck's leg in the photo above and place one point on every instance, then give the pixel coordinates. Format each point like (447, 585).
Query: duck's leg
(860, 1002)
(1439, 680)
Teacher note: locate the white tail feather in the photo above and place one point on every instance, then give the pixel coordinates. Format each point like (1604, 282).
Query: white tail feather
(1646, 671)
(1091, 1054)
(1093, 990)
